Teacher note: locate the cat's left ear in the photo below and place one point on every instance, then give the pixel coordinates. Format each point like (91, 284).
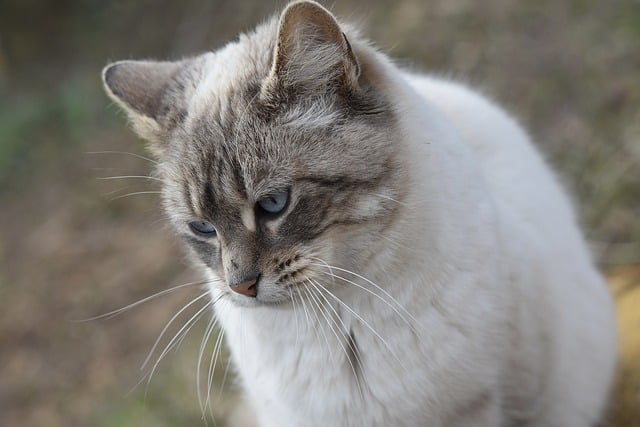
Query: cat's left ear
(142, 89)
(311, 50)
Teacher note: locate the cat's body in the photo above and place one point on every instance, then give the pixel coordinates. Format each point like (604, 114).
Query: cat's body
(472, 299)
(506, 298)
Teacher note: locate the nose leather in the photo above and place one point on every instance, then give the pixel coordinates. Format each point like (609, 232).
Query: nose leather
(247, 286)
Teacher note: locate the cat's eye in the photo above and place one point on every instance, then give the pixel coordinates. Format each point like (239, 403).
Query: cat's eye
(202, 228)
(274, 203)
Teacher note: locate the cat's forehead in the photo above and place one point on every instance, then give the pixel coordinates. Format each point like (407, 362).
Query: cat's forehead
(235, 147)
(230, 160)
(228, 74)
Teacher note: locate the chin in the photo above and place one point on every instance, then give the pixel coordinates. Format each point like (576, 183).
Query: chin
(265, 300)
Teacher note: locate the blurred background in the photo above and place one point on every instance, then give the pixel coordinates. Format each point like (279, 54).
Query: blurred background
(74, 245)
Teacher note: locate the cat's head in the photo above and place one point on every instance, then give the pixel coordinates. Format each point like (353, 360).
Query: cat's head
(277, 152)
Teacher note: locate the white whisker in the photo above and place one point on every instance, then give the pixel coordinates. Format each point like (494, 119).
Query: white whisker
(183, 330)
(385, 293)
(117, 190)
(126, 153)
(389, 198)
(212, 366)
(398, 244)
(203, 344)
(343, 334)
(169, 323)
(295, 315)
(326, 265)
(135, 193)
(364, 322)
(108, 178)
(118, 311)
(318, 324)
(320, 309)
(370, 292)
(304, 307)
(224, 376)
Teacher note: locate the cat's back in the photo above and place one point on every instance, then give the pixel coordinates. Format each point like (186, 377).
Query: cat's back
(513, 169)
(559, 292)
(535, 215)
(530, 202)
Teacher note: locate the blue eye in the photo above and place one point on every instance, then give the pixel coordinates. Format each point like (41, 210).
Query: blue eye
(274, 203)
(203, 228)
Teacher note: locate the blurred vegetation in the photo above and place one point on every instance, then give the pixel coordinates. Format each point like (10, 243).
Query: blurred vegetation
(71, 249)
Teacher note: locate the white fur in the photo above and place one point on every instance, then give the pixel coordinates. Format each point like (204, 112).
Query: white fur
(248, 218)
(509, 320)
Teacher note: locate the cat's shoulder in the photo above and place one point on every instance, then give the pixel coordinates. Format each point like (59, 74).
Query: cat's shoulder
(468, 107)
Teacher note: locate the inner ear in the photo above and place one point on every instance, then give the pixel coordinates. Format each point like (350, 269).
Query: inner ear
(139, 86)
(311, 47)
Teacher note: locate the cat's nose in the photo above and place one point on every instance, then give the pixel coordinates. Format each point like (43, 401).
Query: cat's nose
(247, 286)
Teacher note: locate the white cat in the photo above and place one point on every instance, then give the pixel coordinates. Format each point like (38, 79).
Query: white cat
(385, 249)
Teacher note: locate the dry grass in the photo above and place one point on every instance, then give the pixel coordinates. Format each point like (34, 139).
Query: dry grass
(625, 284)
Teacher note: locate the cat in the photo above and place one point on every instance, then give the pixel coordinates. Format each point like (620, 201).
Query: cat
(384, 248)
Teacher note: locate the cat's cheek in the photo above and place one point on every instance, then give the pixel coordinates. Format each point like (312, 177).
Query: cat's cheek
(208, 253)
(347, 247)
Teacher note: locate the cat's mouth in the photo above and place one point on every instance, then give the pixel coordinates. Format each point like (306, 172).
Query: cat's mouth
(276, 292)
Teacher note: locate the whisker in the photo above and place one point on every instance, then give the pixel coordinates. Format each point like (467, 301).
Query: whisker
(398, 244)
(203, 343)
(107, 178)
(343, 334)
(212, 367)
(372, 293)
(295, 315)
(308, 291)
(118, 311)
(335, 312)
(183, 330)
(328, 266)
(304, 307)
(383, 196)
(168, 347)
(124, 152)
(168, 324)
(316, 300)
(412, 325)
(366, 290)
(224, 376)
(364, 322)
(133, 194)
(117, 190)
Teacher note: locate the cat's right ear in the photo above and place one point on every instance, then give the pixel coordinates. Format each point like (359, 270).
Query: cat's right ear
(311, 51)
(141, 89)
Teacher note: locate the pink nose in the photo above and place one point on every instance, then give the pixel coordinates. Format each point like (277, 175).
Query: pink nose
(247, 287)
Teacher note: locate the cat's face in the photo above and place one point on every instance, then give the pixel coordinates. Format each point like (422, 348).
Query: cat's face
(276, 162)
